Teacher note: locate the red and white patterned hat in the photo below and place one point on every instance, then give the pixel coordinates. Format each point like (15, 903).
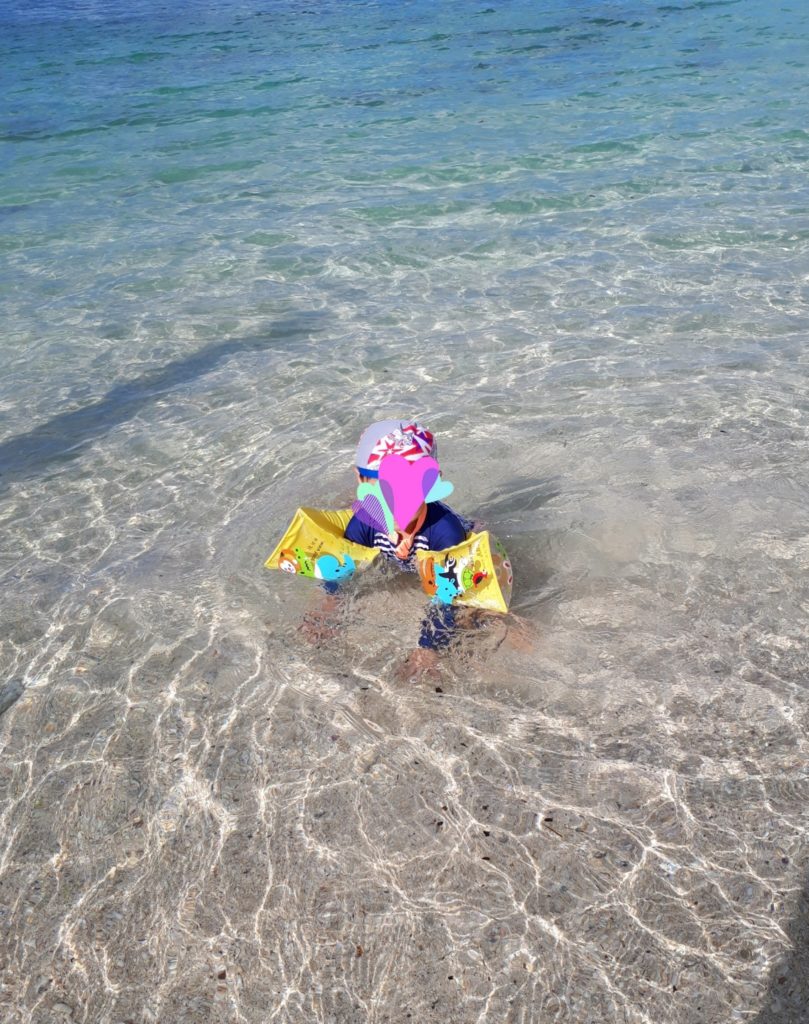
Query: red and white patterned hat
(393, 437)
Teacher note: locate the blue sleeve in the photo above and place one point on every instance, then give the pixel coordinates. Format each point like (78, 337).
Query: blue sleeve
(359, 532)
(447, 531)
(438, 627)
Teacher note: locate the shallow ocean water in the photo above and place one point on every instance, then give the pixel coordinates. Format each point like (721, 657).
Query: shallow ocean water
(574, 241)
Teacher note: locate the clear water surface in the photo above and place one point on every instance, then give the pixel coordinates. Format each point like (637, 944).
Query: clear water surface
(573, 238)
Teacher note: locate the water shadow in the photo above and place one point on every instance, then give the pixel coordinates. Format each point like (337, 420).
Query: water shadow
(787, 999)
(523, 494)
(10, 693)
(64, 436)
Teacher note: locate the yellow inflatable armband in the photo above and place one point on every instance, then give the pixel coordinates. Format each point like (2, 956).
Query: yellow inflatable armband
(314, 546)
(475, 572)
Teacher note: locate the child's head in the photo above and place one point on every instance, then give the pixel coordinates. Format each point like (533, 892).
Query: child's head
(393, 495)
(392, 437)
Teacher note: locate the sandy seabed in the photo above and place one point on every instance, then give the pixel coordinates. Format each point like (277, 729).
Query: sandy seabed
(232, 831)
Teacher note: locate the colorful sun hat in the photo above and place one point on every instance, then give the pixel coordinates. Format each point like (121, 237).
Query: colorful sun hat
(392, 437)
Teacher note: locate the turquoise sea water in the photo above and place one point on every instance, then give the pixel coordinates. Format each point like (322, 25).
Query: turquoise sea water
(574, 240)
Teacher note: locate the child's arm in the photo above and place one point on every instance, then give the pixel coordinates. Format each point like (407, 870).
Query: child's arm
(438, 625)
(323, 621)
(359, 532)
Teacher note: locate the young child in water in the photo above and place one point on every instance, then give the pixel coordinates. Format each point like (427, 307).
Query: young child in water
(435, 527)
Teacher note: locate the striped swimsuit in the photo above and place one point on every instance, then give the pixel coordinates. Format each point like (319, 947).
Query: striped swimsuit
(441, 529)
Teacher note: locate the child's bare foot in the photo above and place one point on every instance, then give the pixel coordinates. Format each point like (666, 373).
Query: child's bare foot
(520, 635)
(419, 664)
(317, 631)
(321, 623)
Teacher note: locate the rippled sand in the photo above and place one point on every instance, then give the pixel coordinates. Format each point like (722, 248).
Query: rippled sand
(598, 817)
(572, 240)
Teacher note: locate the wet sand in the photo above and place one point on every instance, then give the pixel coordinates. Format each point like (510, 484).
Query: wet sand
(241, 834)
